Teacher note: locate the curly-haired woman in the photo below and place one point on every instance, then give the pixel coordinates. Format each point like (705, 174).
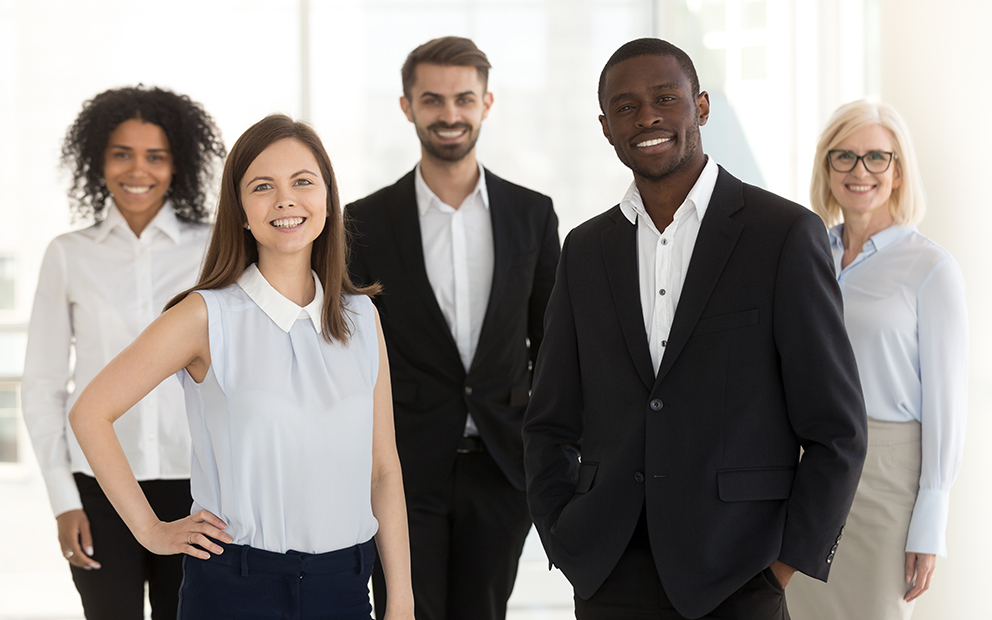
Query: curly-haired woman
(140, 159)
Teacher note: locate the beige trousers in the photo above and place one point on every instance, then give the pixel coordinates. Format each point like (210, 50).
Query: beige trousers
(867, 579)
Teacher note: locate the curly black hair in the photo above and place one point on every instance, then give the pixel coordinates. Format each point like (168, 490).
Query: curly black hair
(194, 141)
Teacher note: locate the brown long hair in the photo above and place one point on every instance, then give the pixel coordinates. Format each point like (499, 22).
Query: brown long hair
(233, 248)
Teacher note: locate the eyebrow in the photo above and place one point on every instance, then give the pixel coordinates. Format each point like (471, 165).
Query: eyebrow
(665, 86)
(124, 147)
(440, 96)
(292, 176)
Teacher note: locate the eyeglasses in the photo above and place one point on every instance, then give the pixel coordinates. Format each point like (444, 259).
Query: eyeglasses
(875, 162)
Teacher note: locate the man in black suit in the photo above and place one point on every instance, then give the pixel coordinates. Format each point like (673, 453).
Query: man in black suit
(694, 342)
(467, 262)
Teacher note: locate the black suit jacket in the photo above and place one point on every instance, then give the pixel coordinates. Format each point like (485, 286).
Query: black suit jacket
(432, 392)
(758, 364)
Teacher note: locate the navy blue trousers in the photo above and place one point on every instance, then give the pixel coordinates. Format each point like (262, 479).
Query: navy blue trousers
(247, 584)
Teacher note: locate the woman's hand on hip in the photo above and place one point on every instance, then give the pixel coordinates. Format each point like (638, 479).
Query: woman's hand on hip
(76, 540)
(169, 538)
(919, 572)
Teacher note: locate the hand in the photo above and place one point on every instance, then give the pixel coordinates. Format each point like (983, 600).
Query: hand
(919, 573)
(783, 573)
(169, 538)
(75, 539)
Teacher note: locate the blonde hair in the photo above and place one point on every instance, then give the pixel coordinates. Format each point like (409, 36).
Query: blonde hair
(908, 201)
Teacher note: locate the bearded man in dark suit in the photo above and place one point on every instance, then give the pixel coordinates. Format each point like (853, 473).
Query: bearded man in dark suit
(694, 343)
(466, 261)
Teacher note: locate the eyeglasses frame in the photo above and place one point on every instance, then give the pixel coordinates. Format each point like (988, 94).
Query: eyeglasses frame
(861, 158)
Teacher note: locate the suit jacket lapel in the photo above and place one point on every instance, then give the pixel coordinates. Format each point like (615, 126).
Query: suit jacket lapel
(405, 221)
(619, 243)
(718, 235)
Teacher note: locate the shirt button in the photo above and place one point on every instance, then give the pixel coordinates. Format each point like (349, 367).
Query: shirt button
(664, 343)
(656, 405)
(468, 390)
(664, 242)
(639, 477)
(661, 292)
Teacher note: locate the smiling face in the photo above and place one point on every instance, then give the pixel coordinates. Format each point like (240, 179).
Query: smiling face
(861, 193)
(652, 118)
(138, 169)
(284, 198)
(447, 106)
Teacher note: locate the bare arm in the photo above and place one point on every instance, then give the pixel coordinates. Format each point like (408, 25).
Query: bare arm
(388, 503)
(178, 339)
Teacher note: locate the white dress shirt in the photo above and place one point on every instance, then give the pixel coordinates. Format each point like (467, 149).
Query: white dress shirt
(98, 289)
(458, 255)
(663, 257)
(905, 312)
(282, 423)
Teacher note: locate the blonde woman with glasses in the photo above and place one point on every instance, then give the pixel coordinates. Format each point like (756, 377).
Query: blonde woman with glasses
(904, 308)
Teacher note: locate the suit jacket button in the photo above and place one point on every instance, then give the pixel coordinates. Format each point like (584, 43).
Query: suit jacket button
(638, 476)
(830, 558)
(833, 550)
(656, 404)
(468, 390)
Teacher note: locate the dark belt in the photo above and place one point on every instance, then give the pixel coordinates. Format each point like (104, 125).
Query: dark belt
(470, 443)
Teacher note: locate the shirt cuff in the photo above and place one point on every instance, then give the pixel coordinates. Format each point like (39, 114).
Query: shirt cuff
(928, 526)
(62, 491)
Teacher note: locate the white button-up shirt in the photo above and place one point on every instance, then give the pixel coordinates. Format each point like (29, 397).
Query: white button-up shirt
(458, 255)
(97, 290)
(663, 257)
(905, 312)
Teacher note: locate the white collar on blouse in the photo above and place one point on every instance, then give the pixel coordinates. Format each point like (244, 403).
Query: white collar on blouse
(282, 311)
(426, 198)
(165, 220)
(879, 241)
(699, 196)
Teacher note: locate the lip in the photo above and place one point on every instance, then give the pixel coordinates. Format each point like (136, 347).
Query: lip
(136, 190)
(296, 226)
(859, 188)
(450, 135)
(652, 143)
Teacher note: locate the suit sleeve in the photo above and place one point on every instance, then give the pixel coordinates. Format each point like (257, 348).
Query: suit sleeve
(823, 398)
(544, 281)
(553, 422)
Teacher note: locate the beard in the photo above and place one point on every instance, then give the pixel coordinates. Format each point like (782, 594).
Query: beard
(447, 152)
(693, 140)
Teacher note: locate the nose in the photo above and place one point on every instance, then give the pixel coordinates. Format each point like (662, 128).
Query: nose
(285, 199)
(449, 114)
(647, 116)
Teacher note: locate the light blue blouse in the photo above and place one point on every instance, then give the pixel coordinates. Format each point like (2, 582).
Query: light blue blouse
(904, 307)
(282, 424)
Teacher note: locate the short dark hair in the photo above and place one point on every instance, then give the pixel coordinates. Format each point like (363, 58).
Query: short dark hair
(649, 47)
(194, 141)
(447, 52)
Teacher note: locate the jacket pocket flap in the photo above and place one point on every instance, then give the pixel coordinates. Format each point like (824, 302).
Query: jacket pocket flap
(744, 485)
(587, 472)
(726, 321)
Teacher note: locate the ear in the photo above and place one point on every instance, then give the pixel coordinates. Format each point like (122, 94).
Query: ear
(896, 175)
(606, 128)
(407, 108)
(703, 107)
(487, 102)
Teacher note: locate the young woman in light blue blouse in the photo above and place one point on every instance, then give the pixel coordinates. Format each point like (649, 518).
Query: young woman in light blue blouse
(904, 307)
(287, 394)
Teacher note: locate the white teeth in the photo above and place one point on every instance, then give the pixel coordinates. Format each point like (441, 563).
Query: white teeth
(648, 143)
(859, 188)
(136, 189)
(288, 222)
(450, 134)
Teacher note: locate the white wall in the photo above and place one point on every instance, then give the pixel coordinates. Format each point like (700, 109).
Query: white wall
(934, 70)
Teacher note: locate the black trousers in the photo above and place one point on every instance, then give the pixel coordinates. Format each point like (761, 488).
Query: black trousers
(116, 591)
(633, 591)
(466, 537)
(245, 583)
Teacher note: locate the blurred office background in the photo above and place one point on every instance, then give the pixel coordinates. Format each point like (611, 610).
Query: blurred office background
(775, 70)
